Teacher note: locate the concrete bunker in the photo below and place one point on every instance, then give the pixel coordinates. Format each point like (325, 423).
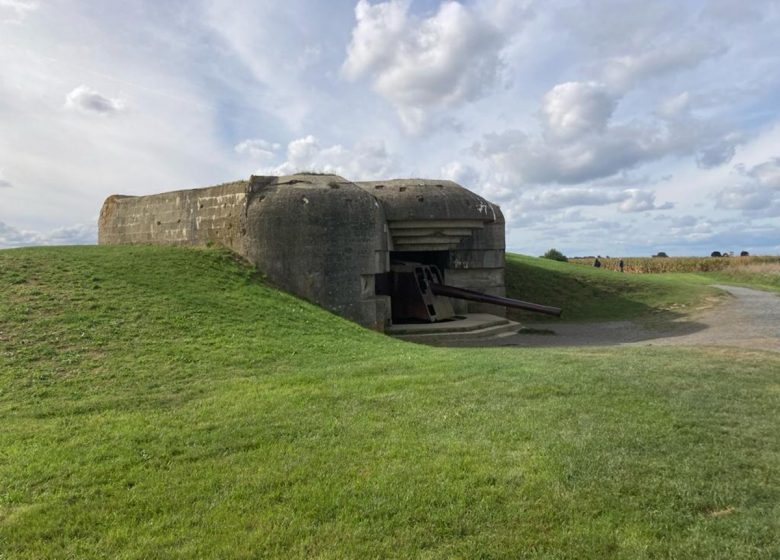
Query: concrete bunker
(368, 251)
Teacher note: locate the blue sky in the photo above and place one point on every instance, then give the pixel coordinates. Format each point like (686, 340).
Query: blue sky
(600, 127)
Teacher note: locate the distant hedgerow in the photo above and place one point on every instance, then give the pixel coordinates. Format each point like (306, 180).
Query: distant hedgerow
(555, 255)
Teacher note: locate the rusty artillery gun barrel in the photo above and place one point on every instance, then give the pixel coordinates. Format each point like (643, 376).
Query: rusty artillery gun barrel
(471, 295)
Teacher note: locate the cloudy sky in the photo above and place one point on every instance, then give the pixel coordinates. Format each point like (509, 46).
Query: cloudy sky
(600, 127)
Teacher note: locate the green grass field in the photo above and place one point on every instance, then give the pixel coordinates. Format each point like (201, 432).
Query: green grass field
(761, 277)
(762, 272)
(164, 403)
(591, 294)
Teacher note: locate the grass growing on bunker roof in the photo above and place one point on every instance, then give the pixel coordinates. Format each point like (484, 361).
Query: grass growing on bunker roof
(161, 402)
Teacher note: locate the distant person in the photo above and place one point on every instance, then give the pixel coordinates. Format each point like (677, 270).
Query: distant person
(597, 263)
(621, 265)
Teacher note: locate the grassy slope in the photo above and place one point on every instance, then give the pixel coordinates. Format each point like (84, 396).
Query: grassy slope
(590, 294)
(159, 403)
(763, 280)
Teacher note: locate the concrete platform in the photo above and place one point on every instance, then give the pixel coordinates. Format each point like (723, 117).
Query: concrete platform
(471, 326)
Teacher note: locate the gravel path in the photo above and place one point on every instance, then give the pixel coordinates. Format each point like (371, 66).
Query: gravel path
(749, 319)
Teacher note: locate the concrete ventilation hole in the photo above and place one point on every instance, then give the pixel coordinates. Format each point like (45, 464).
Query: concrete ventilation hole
(420, 198)
(379, 186)
(401, 189)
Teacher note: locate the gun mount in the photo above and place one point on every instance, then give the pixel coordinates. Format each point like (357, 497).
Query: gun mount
(418, 292)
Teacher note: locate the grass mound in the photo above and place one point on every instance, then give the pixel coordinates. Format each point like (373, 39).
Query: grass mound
(591, 294)
(161, 402)
(761, 276)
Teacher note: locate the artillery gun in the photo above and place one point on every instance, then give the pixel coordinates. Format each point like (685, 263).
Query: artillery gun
(418, 293)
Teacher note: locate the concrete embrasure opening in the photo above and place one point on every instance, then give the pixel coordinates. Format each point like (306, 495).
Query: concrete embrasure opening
(410, 285)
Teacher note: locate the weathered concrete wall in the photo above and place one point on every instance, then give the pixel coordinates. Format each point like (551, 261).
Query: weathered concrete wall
(478, 263)
(190, 217)
(441, 216)
(317, 236)
(322, 238)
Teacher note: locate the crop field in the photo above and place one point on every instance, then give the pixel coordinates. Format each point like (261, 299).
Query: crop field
(761, 272)
(653, 265)
(161, 402)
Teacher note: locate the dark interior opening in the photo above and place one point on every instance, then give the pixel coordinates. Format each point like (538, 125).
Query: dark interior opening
(409, 287)
(437, 258)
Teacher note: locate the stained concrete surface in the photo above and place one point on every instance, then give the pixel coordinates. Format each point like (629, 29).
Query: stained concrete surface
(748, 319)
(324, 238)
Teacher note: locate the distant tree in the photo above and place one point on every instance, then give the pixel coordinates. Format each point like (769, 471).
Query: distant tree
(744, 254)
(661, 255)
(715, 254)
(555, 255)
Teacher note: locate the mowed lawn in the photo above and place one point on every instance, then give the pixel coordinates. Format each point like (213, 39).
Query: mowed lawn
(165, 403)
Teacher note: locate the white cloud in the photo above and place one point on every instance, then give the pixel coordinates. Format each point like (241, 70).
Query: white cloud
(610, 26)
(580, 142)
(730, 11)
(368, 159)
(63, 165)
(78, 234)
(14, 237)
(626, 179)
(628, 200)
(15, 11)
(528, 160)
(88, 100)
(641, 201)
(550, 199)
(507, 15)
(574, 109)
(377, 25)
(659, 60)
(4, 183)
(257, 148)
(719, 235)
(676, 106)
(419, 64)
(603, 97)
(627, 44)
(759, 194)
(750, 198)
(280, 59)
(721, 151)
(683, 221)
(461, 173)
(767, 174)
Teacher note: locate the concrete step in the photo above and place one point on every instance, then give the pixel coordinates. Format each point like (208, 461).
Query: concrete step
(473, 325)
